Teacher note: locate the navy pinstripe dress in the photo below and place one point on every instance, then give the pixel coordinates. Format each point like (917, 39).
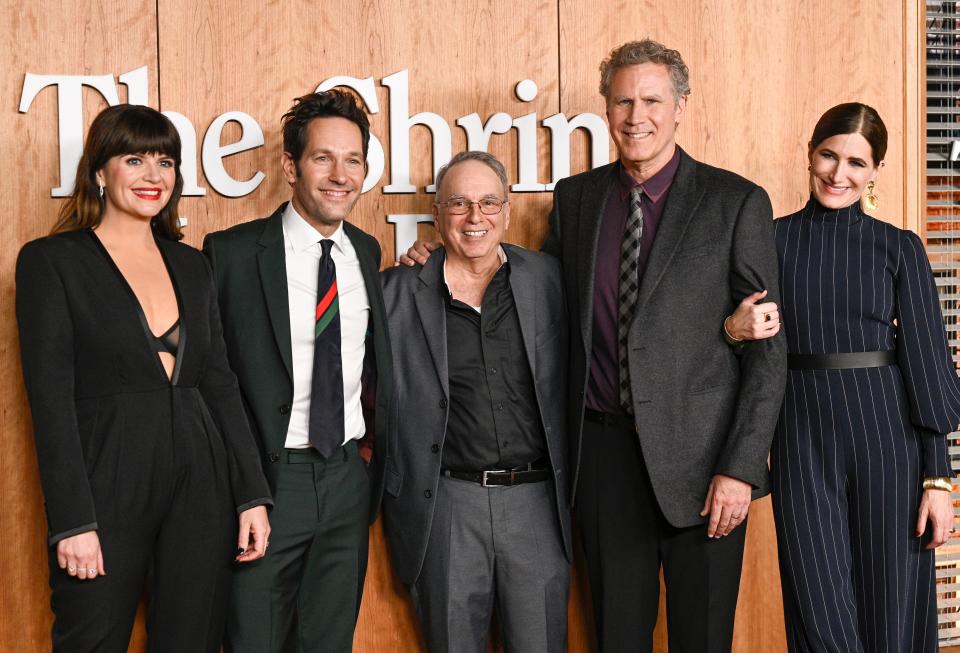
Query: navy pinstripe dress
(853, 445)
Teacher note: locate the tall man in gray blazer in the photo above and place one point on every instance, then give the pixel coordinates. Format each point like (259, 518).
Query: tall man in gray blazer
(670, 427)
(304, 323)
(476, 496)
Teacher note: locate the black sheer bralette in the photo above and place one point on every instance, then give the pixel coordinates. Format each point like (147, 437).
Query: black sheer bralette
(167, 342)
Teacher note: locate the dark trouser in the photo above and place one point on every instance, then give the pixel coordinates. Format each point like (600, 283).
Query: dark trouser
(305, 594)
(626, 539)
(167, 524)
(494, 546)
(846, 466)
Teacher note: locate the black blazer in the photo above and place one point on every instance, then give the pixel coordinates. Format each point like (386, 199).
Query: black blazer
(701, 406)
(250, 272)
(418, 421)
(92, 375)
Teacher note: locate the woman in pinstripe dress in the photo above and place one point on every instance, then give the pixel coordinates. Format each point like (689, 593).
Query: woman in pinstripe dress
(861, 489)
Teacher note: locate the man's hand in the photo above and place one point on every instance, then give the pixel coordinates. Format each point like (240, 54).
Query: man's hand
(728, 500)
(419, 252)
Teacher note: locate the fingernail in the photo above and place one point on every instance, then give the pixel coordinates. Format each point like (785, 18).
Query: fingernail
(241, 550)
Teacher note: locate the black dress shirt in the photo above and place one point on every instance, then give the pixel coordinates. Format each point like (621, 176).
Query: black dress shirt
(493, 421)
(603, 389)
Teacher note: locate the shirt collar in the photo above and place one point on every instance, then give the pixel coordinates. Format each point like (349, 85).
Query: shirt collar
(500, 252)
(302, 236)
(655, 187)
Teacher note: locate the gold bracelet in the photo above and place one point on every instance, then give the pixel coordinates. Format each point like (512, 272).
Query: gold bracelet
(733, 342)
(937, 483)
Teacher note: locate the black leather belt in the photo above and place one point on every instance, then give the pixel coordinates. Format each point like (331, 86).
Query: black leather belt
(609, 419)
(534, 472)
(844, 361)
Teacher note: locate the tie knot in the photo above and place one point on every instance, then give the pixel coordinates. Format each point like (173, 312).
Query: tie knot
(636, 193)
(325, 246)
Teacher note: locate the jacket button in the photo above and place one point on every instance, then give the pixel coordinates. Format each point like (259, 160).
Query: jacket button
(434, 448)
(274, 457)
(443, 403)
(285, 409)
(427, 493)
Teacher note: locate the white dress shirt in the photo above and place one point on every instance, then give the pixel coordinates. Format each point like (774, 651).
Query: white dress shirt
(301, 244)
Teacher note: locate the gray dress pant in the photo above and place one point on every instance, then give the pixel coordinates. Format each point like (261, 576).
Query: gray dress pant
(498, 546)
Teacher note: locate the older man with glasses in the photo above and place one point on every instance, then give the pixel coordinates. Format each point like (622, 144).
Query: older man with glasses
(476, 507)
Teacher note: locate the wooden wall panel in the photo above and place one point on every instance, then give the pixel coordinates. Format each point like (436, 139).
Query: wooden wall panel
(761, 75)
(42, 38)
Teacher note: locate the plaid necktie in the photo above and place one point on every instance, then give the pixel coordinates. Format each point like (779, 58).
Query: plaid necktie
(629, 289)
(326, 392)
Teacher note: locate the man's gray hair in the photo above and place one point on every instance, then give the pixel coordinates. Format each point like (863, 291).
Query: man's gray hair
(474, 155)
(646, 51)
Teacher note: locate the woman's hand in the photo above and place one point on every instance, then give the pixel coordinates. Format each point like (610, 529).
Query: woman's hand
(753, 321)
(81, 556)
(935, 507)
(255, 526)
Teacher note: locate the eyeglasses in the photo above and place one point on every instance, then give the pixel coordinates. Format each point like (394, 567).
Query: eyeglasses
(462, 206)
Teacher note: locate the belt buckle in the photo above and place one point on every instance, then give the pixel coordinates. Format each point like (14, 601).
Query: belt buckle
(484, 482)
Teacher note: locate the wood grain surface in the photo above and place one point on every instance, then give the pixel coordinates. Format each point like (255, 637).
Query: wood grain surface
(761, 74)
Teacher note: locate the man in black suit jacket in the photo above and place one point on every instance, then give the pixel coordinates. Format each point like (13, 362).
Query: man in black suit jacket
(305, 329)
(476, 505)
(670, 425)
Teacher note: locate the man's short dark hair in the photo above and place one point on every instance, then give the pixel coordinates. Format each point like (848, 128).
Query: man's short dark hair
(335, 103)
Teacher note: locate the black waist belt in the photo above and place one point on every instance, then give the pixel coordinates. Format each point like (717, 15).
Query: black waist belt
(844, 361)
(532, 473)
(609, 419)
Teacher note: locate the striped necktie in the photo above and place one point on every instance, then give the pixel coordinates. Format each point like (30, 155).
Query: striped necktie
(629, 290)
(326, 392)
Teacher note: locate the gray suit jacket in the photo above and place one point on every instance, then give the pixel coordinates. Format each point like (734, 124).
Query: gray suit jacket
(701, 406)
(418, 417)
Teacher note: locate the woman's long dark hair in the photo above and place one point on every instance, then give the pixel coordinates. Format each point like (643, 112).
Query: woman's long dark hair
(123, 129)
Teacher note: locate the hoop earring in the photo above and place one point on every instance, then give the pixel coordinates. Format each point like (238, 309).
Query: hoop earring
(869, 200)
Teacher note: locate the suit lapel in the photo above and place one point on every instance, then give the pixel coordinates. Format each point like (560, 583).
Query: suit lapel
(369, 269)
(433, 316)
(273, 280)
(523, 287)
(593, 205)
(684, 196)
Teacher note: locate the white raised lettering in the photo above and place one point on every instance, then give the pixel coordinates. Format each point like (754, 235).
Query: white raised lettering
(70, 116)
(400, 124)
(213, 154)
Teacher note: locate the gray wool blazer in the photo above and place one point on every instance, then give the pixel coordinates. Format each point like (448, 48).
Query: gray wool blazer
(418, 416)
(701, 406)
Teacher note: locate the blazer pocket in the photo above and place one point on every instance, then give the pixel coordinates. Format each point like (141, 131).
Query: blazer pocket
(714, 386)
(548, 335)
(696, 251)
(392, 482)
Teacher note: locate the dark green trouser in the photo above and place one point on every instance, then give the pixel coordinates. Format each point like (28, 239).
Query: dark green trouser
(304, 595)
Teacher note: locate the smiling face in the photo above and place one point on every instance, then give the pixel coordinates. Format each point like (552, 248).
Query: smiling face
(137, 185)
(643, 115)
(840, 168)
(327, 179)
(472, 236)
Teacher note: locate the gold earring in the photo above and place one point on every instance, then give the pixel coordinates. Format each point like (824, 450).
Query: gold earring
(869, 201)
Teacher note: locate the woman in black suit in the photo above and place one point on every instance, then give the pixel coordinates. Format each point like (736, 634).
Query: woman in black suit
(861, 476)
(145, 455)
